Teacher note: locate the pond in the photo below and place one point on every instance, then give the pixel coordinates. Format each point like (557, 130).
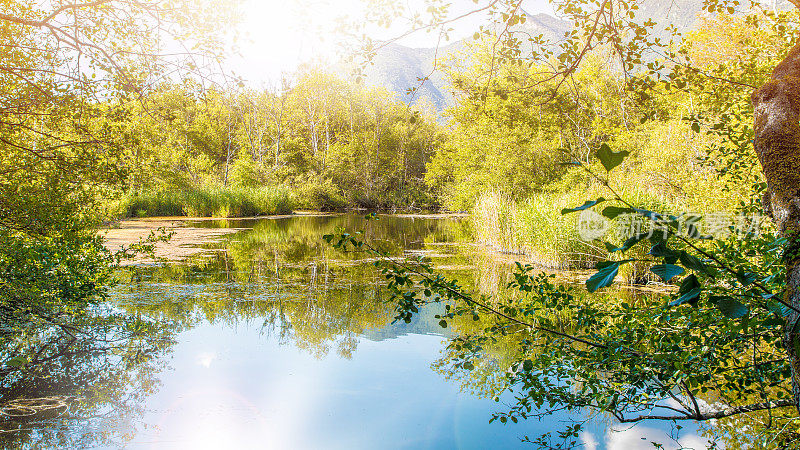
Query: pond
(266, 337)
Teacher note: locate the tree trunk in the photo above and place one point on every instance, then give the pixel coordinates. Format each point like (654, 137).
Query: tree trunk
(278, 145)
(327, 143)
(777, 143)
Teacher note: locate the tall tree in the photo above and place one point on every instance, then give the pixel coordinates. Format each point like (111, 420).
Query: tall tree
(777, 143)
(66, 63)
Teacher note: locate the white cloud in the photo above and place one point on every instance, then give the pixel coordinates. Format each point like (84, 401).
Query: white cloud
(589, 441)
(641, 438)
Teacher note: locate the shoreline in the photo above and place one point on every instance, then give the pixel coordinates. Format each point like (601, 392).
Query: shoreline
(298, 213)
(188, 241)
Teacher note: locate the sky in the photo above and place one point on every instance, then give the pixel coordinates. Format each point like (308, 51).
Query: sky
(279, 35)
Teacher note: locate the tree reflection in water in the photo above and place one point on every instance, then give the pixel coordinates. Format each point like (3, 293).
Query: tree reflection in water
(81, 380)
(87, 384)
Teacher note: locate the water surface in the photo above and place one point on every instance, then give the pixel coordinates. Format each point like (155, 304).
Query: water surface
(272, 339)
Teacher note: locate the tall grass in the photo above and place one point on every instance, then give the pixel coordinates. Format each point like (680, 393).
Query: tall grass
(536, 229)
(208, 202)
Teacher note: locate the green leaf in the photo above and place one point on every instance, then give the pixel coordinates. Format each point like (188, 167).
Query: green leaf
(630, 242)
(17, 361)
(692, 262)
(667, 271)
(690, 222)
(730, 307)
(612, 212)
(772, 321)
(660, 250)
(779, 309)
(527, 365)
(443, 323)
(689, 291)
(606, 272)
(689, 297)
(587, 205)
(609, 158)
(689, 283)
(746, 278)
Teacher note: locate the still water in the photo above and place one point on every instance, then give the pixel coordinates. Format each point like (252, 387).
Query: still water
(272, 339)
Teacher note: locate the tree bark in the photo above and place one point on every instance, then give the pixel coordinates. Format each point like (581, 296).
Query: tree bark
(777, 143)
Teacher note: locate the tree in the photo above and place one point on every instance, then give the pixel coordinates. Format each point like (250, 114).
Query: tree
(277, 97)
(70, 71)
(65, 65)
(777, 142)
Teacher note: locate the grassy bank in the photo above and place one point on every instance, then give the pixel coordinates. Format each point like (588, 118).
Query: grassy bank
(228, 202)
(208, 202)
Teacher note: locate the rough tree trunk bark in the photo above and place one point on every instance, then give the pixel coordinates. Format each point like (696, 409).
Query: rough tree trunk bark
(777, 143)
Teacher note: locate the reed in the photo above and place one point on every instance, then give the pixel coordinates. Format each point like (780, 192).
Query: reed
(536, 230)
(210, 201)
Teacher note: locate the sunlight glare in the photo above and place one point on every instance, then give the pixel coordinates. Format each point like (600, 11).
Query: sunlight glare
(280, 35)
(206, 358)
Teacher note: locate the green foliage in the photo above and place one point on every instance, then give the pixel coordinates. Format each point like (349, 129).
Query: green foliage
(210, 201)
(50, 275)
(247, 173)
(52, 290)
(320, 195)
(333, 143)
(72, 70)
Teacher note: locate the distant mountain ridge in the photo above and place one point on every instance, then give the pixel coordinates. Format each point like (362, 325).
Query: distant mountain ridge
(398, 68)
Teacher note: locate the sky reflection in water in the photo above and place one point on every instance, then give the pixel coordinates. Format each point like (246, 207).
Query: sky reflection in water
(280, 342)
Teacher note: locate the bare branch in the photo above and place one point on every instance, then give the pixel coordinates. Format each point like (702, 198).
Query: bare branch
(718, 414)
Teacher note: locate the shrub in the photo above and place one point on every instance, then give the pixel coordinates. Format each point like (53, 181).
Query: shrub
(320, 195)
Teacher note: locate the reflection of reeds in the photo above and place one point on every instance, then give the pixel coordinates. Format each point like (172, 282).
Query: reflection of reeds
(495, 223)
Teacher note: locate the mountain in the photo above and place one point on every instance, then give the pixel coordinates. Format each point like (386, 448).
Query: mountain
(397, 68)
